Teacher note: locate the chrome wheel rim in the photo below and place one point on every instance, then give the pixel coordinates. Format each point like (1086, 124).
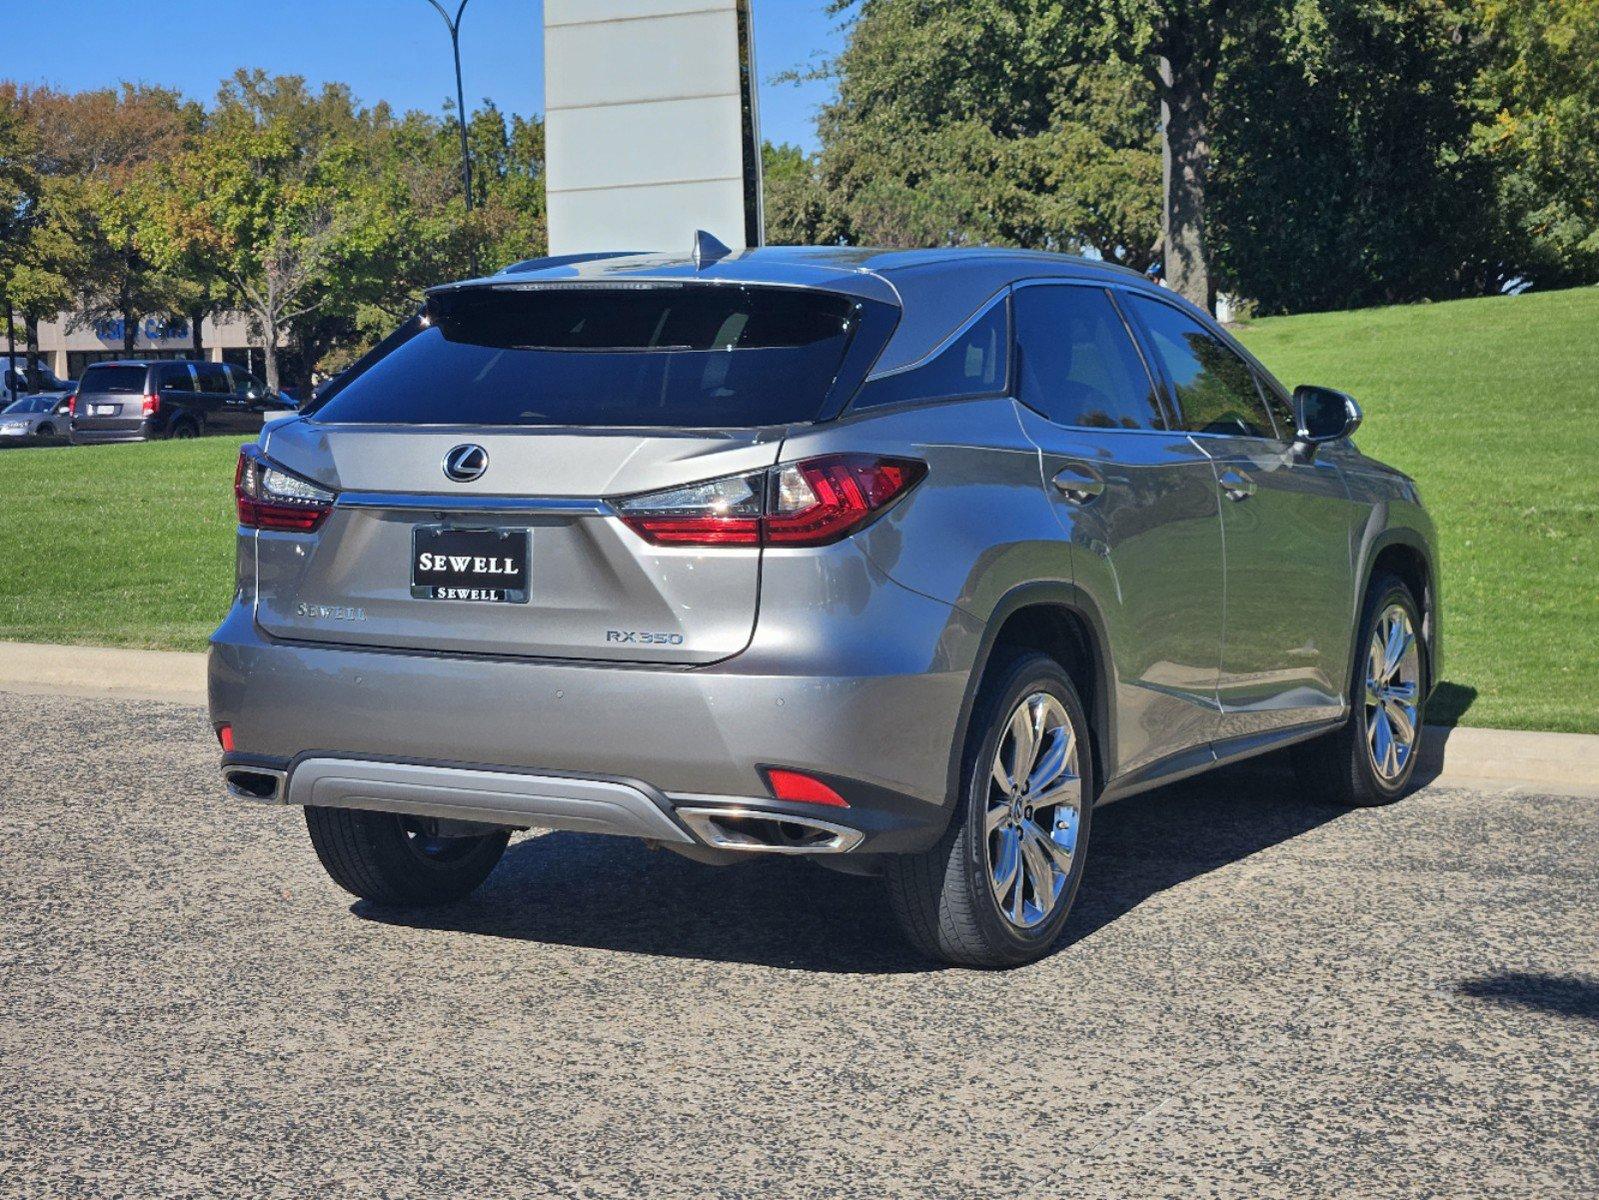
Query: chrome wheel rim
(1034, 807)
(1393, 692)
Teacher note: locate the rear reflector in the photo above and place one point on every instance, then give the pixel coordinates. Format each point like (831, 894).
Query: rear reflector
(809, 503)
(268, 497)
(225, 737)
(791, 785)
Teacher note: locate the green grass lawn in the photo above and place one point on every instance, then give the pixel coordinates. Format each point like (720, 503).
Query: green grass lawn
(117, 545)
(1493, 405)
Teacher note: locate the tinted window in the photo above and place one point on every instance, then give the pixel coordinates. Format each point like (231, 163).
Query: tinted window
(1077, 365)
(1215, 388)
(175, 377)
(213, 380)
(244, 383)
(122, 380)
(664, 355)
(974, 364)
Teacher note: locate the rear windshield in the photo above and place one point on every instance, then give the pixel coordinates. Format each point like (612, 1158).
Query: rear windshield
(692, 355)
(112, 379)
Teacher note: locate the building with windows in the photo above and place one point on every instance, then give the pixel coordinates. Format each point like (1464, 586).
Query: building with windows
(66, 350)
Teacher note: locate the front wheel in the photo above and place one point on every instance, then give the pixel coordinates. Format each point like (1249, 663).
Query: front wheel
(1370, 759)
(390, 859)
(996, 889)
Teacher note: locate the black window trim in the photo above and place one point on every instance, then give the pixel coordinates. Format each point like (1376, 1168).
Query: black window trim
(1210, 326)
(1157, 382)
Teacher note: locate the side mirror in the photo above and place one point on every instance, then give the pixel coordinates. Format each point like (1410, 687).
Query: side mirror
(1323, 415)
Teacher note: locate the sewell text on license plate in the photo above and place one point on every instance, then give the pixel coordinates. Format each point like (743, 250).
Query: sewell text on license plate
(482, 565)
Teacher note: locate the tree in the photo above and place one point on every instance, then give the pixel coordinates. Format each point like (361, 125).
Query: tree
(1539, 102)
(267, 194)
(96, 146)
(1345, 167)
(973, 122)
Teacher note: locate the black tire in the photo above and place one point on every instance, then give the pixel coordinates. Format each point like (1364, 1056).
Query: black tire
(184, 429)
(46, 431)
(1337, 768)
(942, 897)
(389, 859)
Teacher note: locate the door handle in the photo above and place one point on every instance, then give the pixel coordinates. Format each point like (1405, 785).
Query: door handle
(1078, 484)
(1235, 485)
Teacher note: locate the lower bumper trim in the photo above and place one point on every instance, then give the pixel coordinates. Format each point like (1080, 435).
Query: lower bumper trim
(490, 797)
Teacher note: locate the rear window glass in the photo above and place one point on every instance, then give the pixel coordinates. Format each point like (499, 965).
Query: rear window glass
(656, 355)
(112, 379)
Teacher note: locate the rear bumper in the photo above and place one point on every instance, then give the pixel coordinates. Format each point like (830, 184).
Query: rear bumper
(89, 435)
(683, 738)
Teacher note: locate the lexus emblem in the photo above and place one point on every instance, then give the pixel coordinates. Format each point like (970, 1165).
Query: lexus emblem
(466, 463)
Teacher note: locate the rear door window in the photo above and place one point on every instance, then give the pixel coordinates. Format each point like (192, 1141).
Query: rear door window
(689, 355)
(1215, 388)
(213, 380)
(1077, 365)
(112, 380)
(175, 377)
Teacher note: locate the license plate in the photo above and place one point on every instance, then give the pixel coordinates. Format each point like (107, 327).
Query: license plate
(481, 565)
(104, 410)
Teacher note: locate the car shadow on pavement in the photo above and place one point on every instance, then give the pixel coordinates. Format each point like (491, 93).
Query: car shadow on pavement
(615, 894)
(1560, 995)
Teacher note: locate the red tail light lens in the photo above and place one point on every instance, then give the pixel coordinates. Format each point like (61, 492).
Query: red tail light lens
(824, 499)
(152, 404)
(268, 497)
(72, 404)
(791, 785)
(810, 503)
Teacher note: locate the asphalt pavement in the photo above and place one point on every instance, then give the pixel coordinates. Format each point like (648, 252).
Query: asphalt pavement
(1256, 997)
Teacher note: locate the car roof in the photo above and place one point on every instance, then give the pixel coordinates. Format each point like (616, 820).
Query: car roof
(937, 289)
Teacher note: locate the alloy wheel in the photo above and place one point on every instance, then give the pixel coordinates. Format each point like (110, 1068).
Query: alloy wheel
(1393, 691)
(1034, 807)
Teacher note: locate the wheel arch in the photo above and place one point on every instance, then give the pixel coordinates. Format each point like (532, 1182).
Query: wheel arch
(1061, 620)
(1404, 552)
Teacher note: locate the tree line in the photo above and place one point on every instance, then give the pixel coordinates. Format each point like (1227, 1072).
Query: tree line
(319, 220)
(1303, 154)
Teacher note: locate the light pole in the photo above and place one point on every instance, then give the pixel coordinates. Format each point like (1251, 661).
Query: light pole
(454, 26)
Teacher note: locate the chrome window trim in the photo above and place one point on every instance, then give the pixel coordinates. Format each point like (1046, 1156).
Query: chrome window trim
(955, 335)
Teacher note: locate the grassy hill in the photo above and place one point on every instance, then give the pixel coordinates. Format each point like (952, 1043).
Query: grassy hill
(1493, 406)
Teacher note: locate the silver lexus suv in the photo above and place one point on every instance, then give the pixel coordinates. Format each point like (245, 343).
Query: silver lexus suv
(904, 561)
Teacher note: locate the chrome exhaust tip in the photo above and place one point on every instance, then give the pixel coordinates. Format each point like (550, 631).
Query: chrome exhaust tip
(755, 830)
(254, 783)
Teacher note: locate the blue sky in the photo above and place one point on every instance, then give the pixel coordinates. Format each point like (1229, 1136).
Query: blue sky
(394, 50)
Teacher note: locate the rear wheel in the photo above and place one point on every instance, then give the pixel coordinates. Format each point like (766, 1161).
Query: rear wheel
(390, 859)
(996, 889)
(185, 429)
(1371, 758)
(47, 431)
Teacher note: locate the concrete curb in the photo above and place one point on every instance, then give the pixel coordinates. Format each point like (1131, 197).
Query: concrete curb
(1566, 763)
(96, 671)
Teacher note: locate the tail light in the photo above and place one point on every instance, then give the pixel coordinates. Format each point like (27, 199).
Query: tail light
(810, 503)
(152, 404)
(72, 404)
(268, 497)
